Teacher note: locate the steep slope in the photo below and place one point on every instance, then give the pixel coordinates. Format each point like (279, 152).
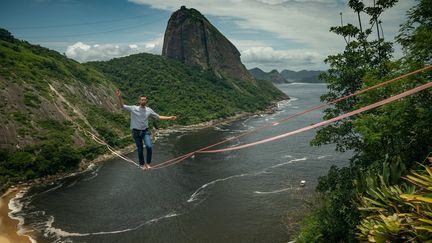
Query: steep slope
(193, 40)
(44, 96)
(39, 85)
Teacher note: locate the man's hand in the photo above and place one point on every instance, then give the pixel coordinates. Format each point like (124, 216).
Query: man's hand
(119, 99)
(173, 117)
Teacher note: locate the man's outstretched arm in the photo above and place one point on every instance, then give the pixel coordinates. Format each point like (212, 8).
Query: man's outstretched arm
(119, 99)
(167, 117)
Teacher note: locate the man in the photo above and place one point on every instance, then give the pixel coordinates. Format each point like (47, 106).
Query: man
(139, 125)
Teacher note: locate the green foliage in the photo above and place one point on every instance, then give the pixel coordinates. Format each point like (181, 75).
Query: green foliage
(310, 226)
(6, 35)
(56, 154)
(416, 34)
(347, 69)
(385, 141)
(22, 61)
(32, 100)
(21, 117)
(192, 94)
(398, 213)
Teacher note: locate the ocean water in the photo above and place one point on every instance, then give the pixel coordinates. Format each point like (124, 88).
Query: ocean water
(249, 195)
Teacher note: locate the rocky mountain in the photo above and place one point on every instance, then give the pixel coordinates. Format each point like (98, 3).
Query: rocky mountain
(272, 76)
(302, 76)
(193, 40)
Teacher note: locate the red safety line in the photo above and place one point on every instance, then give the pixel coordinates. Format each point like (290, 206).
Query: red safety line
(366, 108)
(185, 156)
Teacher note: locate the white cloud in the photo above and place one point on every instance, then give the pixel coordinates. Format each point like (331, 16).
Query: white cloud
(101, 52)
(302, 24)
(268, 59)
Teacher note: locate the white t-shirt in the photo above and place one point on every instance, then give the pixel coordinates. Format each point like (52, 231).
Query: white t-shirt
(140, 116)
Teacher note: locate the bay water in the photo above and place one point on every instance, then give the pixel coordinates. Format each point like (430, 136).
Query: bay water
(249, 195)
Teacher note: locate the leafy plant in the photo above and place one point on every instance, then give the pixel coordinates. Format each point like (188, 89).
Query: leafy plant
(399, 213)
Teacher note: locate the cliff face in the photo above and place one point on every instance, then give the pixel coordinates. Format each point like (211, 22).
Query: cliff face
(193, 40)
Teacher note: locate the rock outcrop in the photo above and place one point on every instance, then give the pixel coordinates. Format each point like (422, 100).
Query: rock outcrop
(193, 40)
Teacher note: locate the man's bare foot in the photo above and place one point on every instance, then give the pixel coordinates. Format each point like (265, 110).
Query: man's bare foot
(143, 167)
(148, 167)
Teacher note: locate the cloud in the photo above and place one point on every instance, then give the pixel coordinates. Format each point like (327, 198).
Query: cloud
(292, 24)
(101, 52)
(268, 59)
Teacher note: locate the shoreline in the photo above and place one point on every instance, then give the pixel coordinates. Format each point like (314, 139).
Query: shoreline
(9, 226)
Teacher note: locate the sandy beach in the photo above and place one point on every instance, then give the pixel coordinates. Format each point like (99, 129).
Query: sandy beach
(8, 226)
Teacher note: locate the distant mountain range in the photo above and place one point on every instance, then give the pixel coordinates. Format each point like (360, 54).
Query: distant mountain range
(287, 76)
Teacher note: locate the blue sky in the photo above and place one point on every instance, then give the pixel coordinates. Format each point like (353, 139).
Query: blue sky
(270, 34)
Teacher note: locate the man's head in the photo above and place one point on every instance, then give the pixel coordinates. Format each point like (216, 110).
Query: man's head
(142, 100)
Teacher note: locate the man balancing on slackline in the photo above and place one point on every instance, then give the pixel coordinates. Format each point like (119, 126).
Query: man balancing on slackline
(139, 125)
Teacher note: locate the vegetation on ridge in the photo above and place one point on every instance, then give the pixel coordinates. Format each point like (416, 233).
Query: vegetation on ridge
(192, 94)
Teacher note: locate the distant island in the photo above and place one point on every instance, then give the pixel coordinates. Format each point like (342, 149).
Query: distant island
(287, 76)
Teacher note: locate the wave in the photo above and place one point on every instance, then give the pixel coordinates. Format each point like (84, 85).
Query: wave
(288, 162)
(285, 103)
(198, 192)
(279, 191)
(94, 173)
(221, 129)
(15, 206)
(60, 234)
(19, 202)
(195, 195)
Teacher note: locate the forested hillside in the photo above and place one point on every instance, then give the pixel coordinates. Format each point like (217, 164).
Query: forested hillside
(44, 95)
(192, 94)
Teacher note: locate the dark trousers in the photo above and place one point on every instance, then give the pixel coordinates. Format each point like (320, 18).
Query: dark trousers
(139, 136)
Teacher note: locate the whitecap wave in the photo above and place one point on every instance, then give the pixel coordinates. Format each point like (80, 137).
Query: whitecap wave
(57, 233)
(278, 191)
(285, 103)
(288, 162)
(15, 206)
(198, 192)
(221, 129)
(50, 189)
